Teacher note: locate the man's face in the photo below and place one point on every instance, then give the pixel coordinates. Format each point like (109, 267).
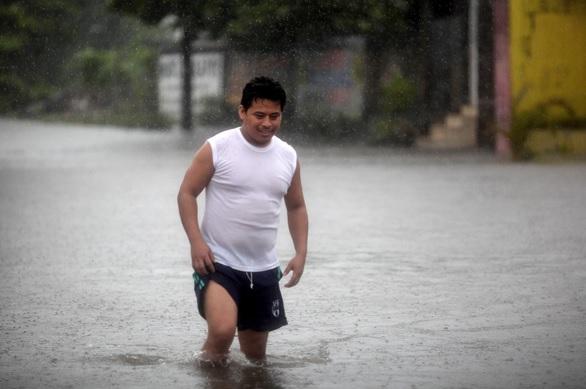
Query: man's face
(260, 121)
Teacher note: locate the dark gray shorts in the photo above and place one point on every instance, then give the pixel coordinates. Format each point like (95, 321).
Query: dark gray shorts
(260, 307)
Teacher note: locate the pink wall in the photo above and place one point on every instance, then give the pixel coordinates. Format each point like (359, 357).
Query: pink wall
(502, 77)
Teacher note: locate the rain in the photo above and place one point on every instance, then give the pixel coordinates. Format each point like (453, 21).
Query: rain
(443, 166)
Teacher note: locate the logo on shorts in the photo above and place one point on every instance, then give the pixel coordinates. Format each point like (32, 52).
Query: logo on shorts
(276, 310)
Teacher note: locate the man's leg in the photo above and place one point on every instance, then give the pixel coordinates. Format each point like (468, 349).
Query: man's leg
(221, 315)
(253, 344)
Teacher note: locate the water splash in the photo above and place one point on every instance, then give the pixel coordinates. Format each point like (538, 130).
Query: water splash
(139, 359)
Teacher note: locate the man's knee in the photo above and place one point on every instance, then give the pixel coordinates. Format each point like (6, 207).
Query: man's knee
(221, 332)
(218, 342)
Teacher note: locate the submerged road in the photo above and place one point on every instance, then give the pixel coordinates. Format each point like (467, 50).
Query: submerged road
(424, 271)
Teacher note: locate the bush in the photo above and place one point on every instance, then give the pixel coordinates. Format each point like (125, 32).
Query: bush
(104, 78)
(120, 88)
(399, 95)
(397, 131)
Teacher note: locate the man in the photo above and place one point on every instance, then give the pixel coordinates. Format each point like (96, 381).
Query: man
(247, 172)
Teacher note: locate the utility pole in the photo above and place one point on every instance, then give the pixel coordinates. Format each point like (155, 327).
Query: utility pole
(186, 118)
(473, 53)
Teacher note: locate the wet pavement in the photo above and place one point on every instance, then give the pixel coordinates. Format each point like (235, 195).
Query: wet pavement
(425, 270)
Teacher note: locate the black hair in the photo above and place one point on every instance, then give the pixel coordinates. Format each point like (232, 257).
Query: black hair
(263, 88)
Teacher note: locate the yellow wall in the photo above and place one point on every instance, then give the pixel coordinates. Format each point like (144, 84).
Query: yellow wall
(548, 53)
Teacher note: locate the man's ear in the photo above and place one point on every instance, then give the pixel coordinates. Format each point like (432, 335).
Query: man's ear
(241, 112)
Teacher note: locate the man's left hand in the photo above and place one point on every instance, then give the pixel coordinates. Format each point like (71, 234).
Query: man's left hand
(296, 265)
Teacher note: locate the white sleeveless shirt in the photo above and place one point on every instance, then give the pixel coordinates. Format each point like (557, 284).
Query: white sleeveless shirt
(243, 200)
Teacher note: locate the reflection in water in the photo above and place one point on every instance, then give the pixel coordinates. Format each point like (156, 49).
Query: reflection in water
(239, 375)
(138, 359)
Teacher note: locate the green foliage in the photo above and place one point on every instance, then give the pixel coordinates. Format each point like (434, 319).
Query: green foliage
(53, 52)
(399, 95)
(393, 124)
(104, 76)
(77, 48)
(117, 80)
(280, 25)
(191, 17)
(380, 19)
(392, 130)
(195, 16)
(33, 43)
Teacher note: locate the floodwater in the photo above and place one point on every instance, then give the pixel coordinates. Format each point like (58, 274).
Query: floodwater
(424, 271)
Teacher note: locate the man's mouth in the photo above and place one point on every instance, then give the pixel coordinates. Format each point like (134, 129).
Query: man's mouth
(265, 132)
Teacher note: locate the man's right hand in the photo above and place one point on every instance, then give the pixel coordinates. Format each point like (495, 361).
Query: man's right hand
(202, 258)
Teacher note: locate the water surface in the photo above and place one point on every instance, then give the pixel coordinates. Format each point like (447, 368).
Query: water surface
(425, 270)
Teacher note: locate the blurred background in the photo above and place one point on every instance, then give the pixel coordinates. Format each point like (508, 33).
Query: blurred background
(446, 74)
(436, 264)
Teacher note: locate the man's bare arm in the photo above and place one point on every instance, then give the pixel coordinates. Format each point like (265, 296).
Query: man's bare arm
(298, 227)
(196, 178)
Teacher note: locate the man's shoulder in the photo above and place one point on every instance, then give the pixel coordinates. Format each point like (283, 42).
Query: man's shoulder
(284, 146)
(221, 142)
(223, 135)
(286, 152)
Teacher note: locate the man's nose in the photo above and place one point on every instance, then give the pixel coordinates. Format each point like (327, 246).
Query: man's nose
(266, 122)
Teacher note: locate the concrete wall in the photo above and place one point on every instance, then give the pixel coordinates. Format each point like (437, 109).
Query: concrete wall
(207, 81)
(548, 54)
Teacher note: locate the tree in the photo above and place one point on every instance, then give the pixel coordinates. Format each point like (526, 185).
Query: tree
(34, 46)
(114, 66)
(285, 26)
(281, 25)
(383, 24)
(192, 17)
(269, 25)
